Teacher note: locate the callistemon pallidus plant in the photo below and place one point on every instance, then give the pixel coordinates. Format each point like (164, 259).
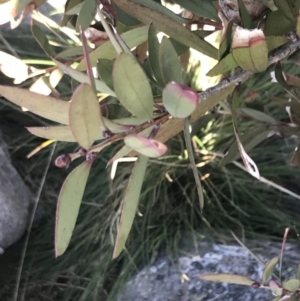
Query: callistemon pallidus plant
(129, 85)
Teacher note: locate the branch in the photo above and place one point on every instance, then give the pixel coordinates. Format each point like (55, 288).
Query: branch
(209, 98)
(241, 77)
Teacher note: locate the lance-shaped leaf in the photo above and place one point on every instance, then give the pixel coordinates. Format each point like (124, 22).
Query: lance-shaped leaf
(201, 8)
(275, 41)
(132, 39)
(83, 78)
(245, 16)
(64, 132)
(269, 269)
(250, 140)
(167, 25)
(289, 8)
(275, 288)
(179, 100)
(86, 14)
(189, 147)
(146, 146)
(282, 81)
(228, 278)
(85, 119)
(226, 64)
(115, 127)
(248, 162)
(68, 205)
(132, 86)
(258, 115)
(153, 48)
(298, 26)
(13, 67)
(130, 203)
(44, 106)
(59, 133)
(169, 62)
(298, 272)
(42, 40)
(226, 37)
(295, 161)
(275, 28)
(291, 285)
(249, 49)
(104, 69)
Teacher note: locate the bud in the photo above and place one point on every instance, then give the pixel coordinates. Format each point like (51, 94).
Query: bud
(145, 146)
(179, 100)
(249, 49)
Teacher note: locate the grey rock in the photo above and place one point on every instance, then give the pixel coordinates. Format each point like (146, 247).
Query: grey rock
(164, 281)
(15, 201)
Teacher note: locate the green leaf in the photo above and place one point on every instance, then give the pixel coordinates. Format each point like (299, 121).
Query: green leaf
(275, 41)
(68, 205)
(115, 127)
(202, 8)
(226, 42)
(169, 26)
(124, 18)
(153, 48)
(248, 162)
(180, 101)
(291, 285)
(59, 133)
(275, 288)
(226, 64)
(130, 203)
(295, 161)
(157, 6)
(145, 146)
(104, 68)
(228, 278)
(42, 40)
(74, 8)
(132, 38)
(132, 87)
(85, 119)
(298, 272)
(86, 14)
(281, 80)
(277, 298)
(287, 8)
(245, 17)
(269, 269)
(190, 151)
(70, 4)
(83, 78)
(249, 141)
(45, 106)
(275, 28)
(70, 53)
(258, 115)
(169, 62)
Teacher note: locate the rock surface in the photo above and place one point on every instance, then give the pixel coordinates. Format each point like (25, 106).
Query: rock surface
(165, 281)
(15, 201)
